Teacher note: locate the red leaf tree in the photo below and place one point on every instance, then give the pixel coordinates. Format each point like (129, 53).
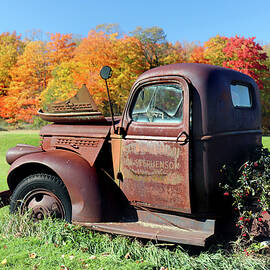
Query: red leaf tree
(247, 56)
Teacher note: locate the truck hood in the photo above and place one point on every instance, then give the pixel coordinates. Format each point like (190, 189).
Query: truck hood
(86, 131)
(85, 140)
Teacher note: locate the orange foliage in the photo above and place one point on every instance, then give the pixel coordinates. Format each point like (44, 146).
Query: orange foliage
(175, 54)
(10, 47)
(34, 72)
(94, 51)
(197, 56)
(60, 49)
(29, 79)
(213, 50)
(123, 55)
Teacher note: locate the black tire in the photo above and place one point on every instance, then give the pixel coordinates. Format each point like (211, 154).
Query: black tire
(45, 194)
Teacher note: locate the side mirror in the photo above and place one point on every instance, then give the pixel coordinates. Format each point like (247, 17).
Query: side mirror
(106, 73)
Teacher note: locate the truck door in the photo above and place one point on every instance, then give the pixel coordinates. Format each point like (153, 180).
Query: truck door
(154, 153)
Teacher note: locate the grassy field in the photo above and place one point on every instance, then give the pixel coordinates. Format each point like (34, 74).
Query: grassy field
(57, 245)
(266, 142)
(10, 139)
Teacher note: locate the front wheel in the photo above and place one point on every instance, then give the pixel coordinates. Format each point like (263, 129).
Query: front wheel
(45, 195)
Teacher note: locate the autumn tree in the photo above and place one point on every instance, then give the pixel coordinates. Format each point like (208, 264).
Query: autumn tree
(244, 55)
(11, 47)
(123, 55)
(128, 67)
(61, 86)
(265, 93)
(34, 35)
(60, 49)
(153, 45)
(188, 48)
(175, 54)
(29, 79)
(247, 56)
(197, 56)
(214, 50)
(95, 51)
(109, 29)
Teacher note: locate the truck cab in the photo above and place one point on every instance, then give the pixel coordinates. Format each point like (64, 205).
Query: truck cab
(155, 171)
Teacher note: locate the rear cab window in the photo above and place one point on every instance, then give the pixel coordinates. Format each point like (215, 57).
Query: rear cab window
(241, 95)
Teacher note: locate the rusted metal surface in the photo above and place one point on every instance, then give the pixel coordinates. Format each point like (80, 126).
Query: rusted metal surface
(19, 151)
(80, 178)
(80, 117)
(5, 198)
(88, 131)
(116, 146)
(155, 174)
(87, 141)
(221, 133)
(186, 223)
(154, 158)
(153, 232)
(85, 147)
(187, 231)
(80, 108)
(43, 204)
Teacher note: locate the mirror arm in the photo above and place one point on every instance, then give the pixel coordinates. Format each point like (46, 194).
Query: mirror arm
(106, 73)
(111, 108)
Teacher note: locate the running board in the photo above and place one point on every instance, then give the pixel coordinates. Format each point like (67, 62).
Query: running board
(181, 230)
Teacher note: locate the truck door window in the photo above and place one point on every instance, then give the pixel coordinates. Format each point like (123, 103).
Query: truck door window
(241, 96)
(161, 103)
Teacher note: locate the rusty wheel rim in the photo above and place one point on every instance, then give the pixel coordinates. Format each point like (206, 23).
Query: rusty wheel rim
(42, 203)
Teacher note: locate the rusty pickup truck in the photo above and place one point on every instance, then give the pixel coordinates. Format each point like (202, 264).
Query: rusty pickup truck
(152, 173)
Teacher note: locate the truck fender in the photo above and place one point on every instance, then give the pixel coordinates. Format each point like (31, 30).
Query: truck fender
(80, 178)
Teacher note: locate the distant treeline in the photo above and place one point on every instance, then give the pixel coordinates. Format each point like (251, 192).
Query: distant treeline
(34, 73)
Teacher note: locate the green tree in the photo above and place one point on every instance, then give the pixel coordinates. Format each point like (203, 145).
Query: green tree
(62, 85)
(214, 50)
(153, 45)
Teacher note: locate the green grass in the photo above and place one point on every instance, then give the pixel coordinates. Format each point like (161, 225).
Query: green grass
(8, 140)
(48, 245)
(266, 142)
(56, 245)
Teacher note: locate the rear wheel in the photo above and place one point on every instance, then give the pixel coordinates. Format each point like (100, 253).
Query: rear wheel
(45, 195)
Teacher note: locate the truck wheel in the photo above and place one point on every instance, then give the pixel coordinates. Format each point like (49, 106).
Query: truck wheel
(45, 195)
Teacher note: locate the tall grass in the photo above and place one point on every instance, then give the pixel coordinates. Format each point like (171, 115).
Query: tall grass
(79, 248)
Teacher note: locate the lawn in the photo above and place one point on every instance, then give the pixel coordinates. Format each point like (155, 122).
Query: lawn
(10, 139)
(266, 142)
(57, 245)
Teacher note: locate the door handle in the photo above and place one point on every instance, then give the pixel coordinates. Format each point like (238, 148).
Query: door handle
(182, 138)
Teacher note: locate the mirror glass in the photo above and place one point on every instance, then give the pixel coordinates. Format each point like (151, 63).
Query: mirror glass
(106, 72)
